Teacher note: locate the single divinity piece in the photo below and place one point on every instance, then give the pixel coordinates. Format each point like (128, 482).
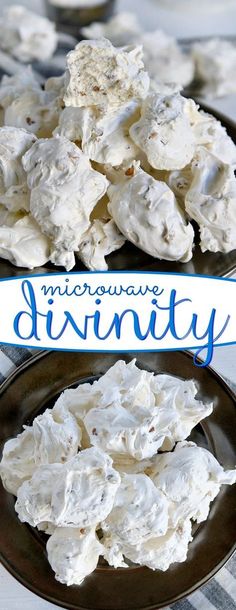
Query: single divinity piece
(30, 107)
(23, 244)
(73, 554)
(160, 552)
(164, 131)
(14, 194)
(49, 440)
(121, 30)
(211, 202)
(215, 62)
(12, 87)
(213, 136)
(180, 397)
(56, 439)
(164, 59)
(190, 478)
(124, 383)
(130, 413)
(140, 511)
(99, 241)
(101, 75)
(26, 35)
(79, 493)
(120, 432)
(36, 111)
(210, 134)
(64, 191)
(17, 464)
(103, 137)
(147, 214)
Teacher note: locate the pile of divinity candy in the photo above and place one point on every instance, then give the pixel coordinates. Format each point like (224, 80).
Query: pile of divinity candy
(104, 154)
(107, 472)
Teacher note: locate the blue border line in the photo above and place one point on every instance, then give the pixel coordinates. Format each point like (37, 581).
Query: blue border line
(111, 273)
(116, 351)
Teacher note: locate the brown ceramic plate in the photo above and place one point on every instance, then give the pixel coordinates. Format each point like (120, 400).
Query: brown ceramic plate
(131, 258)
(34, 387)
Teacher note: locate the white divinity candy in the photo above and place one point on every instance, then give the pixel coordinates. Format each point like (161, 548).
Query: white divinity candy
(131, 413)
(8, 219)
(12, 87)
(140, 511)
(179, 182)
(147, 214)
(164, 131)
(103, 136)
(64, 191)
(36, 111)
(14, 194)
(78, 401)
(49, 440)
(99, 241)
(122, 29)
(212, 135)
(215, 62)
(73, 554)
(56, 86)
(190, 478)
(178, 396)
(17, 464)
(56, 439)
(79, 493)
(101, 75)
(23, 244)
(28, 106)
(26, 35)
(158, 553)
(211, 202)
(122, 383)
(164, 60)
(120, 432)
